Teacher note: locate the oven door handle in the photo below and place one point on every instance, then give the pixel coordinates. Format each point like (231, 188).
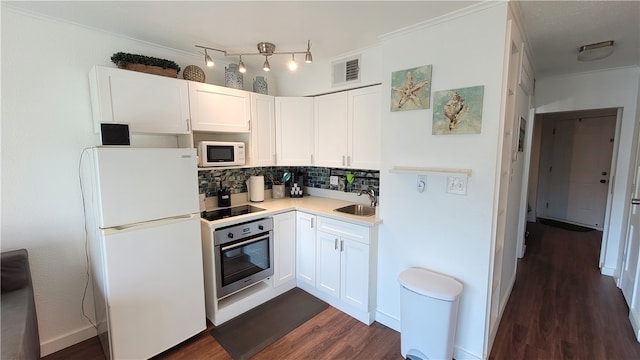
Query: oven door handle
(225, 248)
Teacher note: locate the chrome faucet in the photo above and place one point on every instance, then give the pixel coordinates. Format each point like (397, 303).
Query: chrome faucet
(371, 192)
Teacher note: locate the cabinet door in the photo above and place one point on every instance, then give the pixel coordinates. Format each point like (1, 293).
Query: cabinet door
(328, 260)
(364, 128)
(294, 131)
(263, 130)
(330, 119)
(306, 248)
(150, 104)
(284, 235)
(354, 280)
(218, 108)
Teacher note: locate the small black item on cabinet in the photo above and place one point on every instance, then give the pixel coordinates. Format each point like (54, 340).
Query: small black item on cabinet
(114, 134)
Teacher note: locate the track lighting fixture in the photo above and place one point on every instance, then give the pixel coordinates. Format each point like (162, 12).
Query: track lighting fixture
(265, 49)
(293, 65)
(266, 66)
(207, 59)
(307, 55)
(241, 66)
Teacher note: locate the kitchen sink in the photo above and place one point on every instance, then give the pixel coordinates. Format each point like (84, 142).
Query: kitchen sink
(357, 209)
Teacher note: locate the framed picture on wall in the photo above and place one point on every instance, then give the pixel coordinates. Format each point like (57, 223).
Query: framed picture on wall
(411, 89)
(521, 134)
(458, 111)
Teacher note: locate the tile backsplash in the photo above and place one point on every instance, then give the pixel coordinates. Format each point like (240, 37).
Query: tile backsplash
(316, 177)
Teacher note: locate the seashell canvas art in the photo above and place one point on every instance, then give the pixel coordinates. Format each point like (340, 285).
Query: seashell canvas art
(458, 111)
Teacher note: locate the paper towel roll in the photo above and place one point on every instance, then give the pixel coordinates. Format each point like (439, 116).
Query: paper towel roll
(256, 188)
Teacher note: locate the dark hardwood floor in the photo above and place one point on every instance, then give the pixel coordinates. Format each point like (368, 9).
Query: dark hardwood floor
(560, 308)
(329, 335)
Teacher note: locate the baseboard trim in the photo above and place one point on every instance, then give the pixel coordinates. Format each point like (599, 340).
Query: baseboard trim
(462, 354)
(388, 320)
(635, 323)
(608, 271)
(66, 340)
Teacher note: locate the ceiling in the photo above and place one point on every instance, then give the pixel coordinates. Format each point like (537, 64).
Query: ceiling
(556, 29)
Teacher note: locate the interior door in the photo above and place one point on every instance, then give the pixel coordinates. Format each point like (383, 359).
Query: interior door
(588, 185)
(581, 161)
(632, 248)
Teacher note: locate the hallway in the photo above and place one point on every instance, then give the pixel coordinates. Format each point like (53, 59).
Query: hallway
(561, 306)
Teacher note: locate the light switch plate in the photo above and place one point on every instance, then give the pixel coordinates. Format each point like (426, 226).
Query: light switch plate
(457, 185)
(333, 180)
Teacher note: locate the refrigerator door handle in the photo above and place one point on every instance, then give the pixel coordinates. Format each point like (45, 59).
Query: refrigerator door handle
(146, 224)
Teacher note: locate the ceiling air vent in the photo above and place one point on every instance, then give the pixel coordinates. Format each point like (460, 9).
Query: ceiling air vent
(346, 71)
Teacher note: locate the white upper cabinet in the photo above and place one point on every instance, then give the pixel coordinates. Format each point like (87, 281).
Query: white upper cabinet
(294, 131)
(364, 128)
(347, 129)
(218, 108)
(150, 104)
(330, 119)
(263, 130)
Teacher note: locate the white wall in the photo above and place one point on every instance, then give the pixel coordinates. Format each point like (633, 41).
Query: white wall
(447, 233)
(596, 90)
(46, 122)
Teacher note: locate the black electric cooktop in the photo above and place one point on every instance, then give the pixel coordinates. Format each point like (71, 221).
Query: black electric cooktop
(229, 212)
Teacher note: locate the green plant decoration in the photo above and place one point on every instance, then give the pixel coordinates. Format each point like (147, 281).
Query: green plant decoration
(121, 58)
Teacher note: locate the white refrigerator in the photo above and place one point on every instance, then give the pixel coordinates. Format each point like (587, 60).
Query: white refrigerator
(146, 252)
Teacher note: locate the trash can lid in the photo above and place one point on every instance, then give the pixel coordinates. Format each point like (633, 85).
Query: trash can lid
(429, 283)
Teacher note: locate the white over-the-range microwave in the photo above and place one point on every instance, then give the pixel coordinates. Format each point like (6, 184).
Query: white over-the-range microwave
(220, 153)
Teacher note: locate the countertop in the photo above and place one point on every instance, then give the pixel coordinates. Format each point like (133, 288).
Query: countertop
(310, 204)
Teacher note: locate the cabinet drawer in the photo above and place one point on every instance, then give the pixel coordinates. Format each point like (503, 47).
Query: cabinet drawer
(344, 229)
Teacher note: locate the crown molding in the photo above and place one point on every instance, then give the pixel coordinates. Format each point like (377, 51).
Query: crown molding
(484, 5)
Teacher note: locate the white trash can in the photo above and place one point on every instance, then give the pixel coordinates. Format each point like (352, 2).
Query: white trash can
(428, 314)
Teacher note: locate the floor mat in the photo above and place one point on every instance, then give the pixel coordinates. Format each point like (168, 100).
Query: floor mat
(247, 334)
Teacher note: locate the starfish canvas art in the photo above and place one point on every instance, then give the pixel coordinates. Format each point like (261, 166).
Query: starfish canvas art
(458, 111)
(411, 89)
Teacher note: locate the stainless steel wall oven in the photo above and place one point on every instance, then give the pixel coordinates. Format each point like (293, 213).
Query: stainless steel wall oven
(243, 255)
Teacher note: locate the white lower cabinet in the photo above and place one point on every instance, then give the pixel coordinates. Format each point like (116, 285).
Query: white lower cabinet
(305, 250)
(284, 235)
(343, 267)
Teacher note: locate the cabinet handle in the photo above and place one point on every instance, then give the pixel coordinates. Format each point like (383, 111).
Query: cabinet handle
(188, 125)
(312, 159)
(348, 160)
(342, 160)
(312, 222)
(341, 245)
(335, 244)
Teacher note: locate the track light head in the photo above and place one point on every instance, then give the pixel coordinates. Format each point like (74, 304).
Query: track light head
(241, 67)
(207, 59)
(293, 65)
(266, 66)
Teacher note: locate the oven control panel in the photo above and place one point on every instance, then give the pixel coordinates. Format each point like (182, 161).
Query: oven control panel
(243, 230)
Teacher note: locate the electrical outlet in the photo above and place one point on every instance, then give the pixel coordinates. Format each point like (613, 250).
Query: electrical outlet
(333, 180)
(422, 183)
(457, 185)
